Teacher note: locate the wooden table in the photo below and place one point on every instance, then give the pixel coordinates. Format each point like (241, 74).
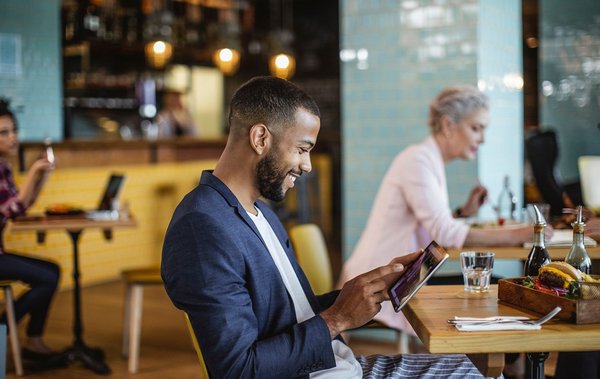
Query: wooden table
(430, 309)
(92, 358)
(517, 252)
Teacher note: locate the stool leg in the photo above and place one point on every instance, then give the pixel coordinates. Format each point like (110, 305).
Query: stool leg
(135, 325)
(126, 322)
(13, 331)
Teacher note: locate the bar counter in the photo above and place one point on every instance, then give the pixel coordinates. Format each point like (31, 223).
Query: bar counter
(98, 153)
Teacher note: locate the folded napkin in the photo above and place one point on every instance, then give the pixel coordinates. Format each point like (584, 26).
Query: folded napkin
(465, 319)
(472, 327)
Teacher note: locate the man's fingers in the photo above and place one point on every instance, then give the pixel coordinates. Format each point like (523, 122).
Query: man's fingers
(379, 272)
(407, 259)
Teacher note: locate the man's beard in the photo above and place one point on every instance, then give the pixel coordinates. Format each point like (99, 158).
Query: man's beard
(270, 178)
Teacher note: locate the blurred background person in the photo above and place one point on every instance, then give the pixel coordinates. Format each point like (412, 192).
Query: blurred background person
(174, 119)
(593, 228)
(41, 276)
(411, 207)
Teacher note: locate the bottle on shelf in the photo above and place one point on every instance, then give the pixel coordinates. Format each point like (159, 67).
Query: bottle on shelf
(91, 19)
(538, 256)
(507, 203)
(578, 256)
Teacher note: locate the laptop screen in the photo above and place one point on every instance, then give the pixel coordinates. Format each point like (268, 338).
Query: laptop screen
(111, 192)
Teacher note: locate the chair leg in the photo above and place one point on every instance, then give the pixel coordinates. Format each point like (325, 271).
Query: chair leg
(135, 326)
(126, 323)
(403, 345)
(13, 331)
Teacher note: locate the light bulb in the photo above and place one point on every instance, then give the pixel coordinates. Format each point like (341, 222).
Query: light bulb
(227, 60)
(282, 65)
(282, 61)
(226, 55)
(158, 53)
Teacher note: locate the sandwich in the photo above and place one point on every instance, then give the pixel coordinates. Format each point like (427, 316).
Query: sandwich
(561, 279)
(559, 275)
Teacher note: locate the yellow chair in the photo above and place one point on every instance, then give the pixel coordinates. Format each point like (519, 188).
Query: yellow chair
(12, 325)
(196, 346)
(311, 252)
(135, 281)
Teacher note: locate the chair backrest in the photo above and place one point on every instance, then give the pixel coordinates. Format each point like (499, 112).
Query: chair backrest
(311, 251)
(196, 346)
(542, 153)
(589, 175)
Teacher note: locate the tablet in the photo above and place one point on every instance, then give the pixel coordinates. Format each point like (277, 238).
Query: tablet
(417, 274)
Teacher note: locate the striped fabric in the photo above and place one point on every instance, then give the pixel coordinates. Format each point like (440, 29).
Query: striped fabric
(418, 366)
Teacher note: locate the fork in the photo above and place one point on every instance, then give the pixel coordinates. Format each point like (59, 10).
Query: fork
(539, 321)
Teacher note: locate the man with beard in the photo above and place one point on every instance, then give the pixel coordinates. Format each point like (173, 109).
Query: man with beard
(228, 263)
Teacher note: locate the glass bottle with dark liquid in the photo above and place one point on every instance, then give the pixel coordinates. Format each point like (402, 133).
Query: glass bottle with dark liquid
(578, 256)
(538, 256)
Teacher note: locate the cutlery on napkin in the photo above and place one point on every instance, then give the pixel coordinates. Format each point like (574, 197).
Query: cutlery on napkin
(489, 326)
(473, 324)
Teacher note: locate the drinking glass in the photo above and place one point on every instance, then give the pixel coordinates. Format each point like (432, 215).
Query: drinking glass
(477, 270)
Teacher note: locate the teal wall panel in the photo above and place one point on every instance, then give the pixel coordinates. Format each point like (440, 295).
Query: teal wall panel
(35, 90)
(414, 50)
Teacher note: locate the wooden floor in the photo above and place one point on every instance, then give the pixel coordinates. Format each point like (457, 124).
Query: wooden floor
(166, 348)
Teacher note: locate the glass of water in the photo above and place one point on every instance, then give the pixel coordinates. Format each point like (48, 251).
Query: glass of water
(477, 270)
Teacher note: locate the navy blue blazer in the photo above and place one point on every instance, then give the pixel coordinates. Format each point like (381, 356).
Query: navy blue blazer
(217, 268)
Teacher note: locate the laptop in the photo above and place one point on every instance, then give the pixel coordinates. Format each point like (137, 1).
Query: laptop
(111, 193)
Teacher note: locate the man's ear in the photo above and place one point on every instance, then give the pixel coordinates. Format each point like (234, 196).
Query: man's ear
(260, 138)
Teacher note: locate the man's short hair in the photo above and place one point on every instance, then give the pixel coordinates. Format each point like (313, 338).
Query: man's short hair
(268, 100)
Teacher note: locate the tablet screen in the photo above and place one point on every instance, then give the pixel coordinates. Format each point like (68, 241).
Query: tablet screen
(416, 275)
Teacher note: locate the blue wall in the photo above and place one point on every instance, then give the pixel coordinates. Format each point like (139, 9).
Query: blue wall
(36, 91)
(414, 50)
(412, 54)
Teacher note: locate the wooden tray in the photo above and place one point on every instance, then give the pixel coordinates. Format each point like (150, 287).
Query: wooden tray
(575, 311)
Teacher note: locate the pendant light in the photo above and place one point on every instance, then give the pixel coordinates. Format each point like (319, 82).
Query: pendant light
(282, 62)
(226, 56)
(158, 34)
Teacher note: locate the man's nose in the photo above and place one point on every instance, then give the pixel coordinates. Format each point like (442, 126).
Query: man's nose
(306, 165)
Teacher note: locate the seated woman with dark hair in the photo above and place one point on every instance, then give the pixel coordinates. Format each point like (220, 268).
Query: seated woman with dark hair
(41, 276)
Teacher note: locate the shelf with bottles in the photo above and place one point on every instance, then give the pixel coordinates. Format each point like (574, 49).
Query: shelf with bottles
(129, 24)
(79, 81)
(113, 103)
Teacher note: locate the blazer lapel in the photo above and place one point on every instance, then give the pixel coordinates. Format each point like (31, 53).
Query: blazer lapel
(210, 180)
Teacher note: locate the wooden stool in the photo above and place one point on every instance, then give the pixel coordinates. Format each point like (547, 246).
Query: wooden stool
(135, 280)
(12, 325)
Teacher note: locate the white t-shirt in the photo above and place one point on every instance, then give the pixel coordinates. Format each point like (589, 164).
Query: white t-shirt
(346, 365)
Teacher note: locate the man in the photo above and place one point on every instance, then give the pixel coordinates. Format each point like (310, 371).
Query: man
(227, 260)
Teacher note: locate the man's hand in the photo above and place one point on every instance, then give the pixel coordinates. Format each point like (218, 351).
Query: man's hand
(360, 298)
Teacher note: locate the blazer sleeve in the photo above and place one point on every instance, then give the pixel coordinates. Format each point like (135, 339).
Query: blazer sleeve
(204, 271)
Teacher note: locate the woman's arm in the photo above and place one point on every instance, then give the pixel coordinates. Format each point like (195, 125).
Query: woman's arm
(36, 177)
(507, 236)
